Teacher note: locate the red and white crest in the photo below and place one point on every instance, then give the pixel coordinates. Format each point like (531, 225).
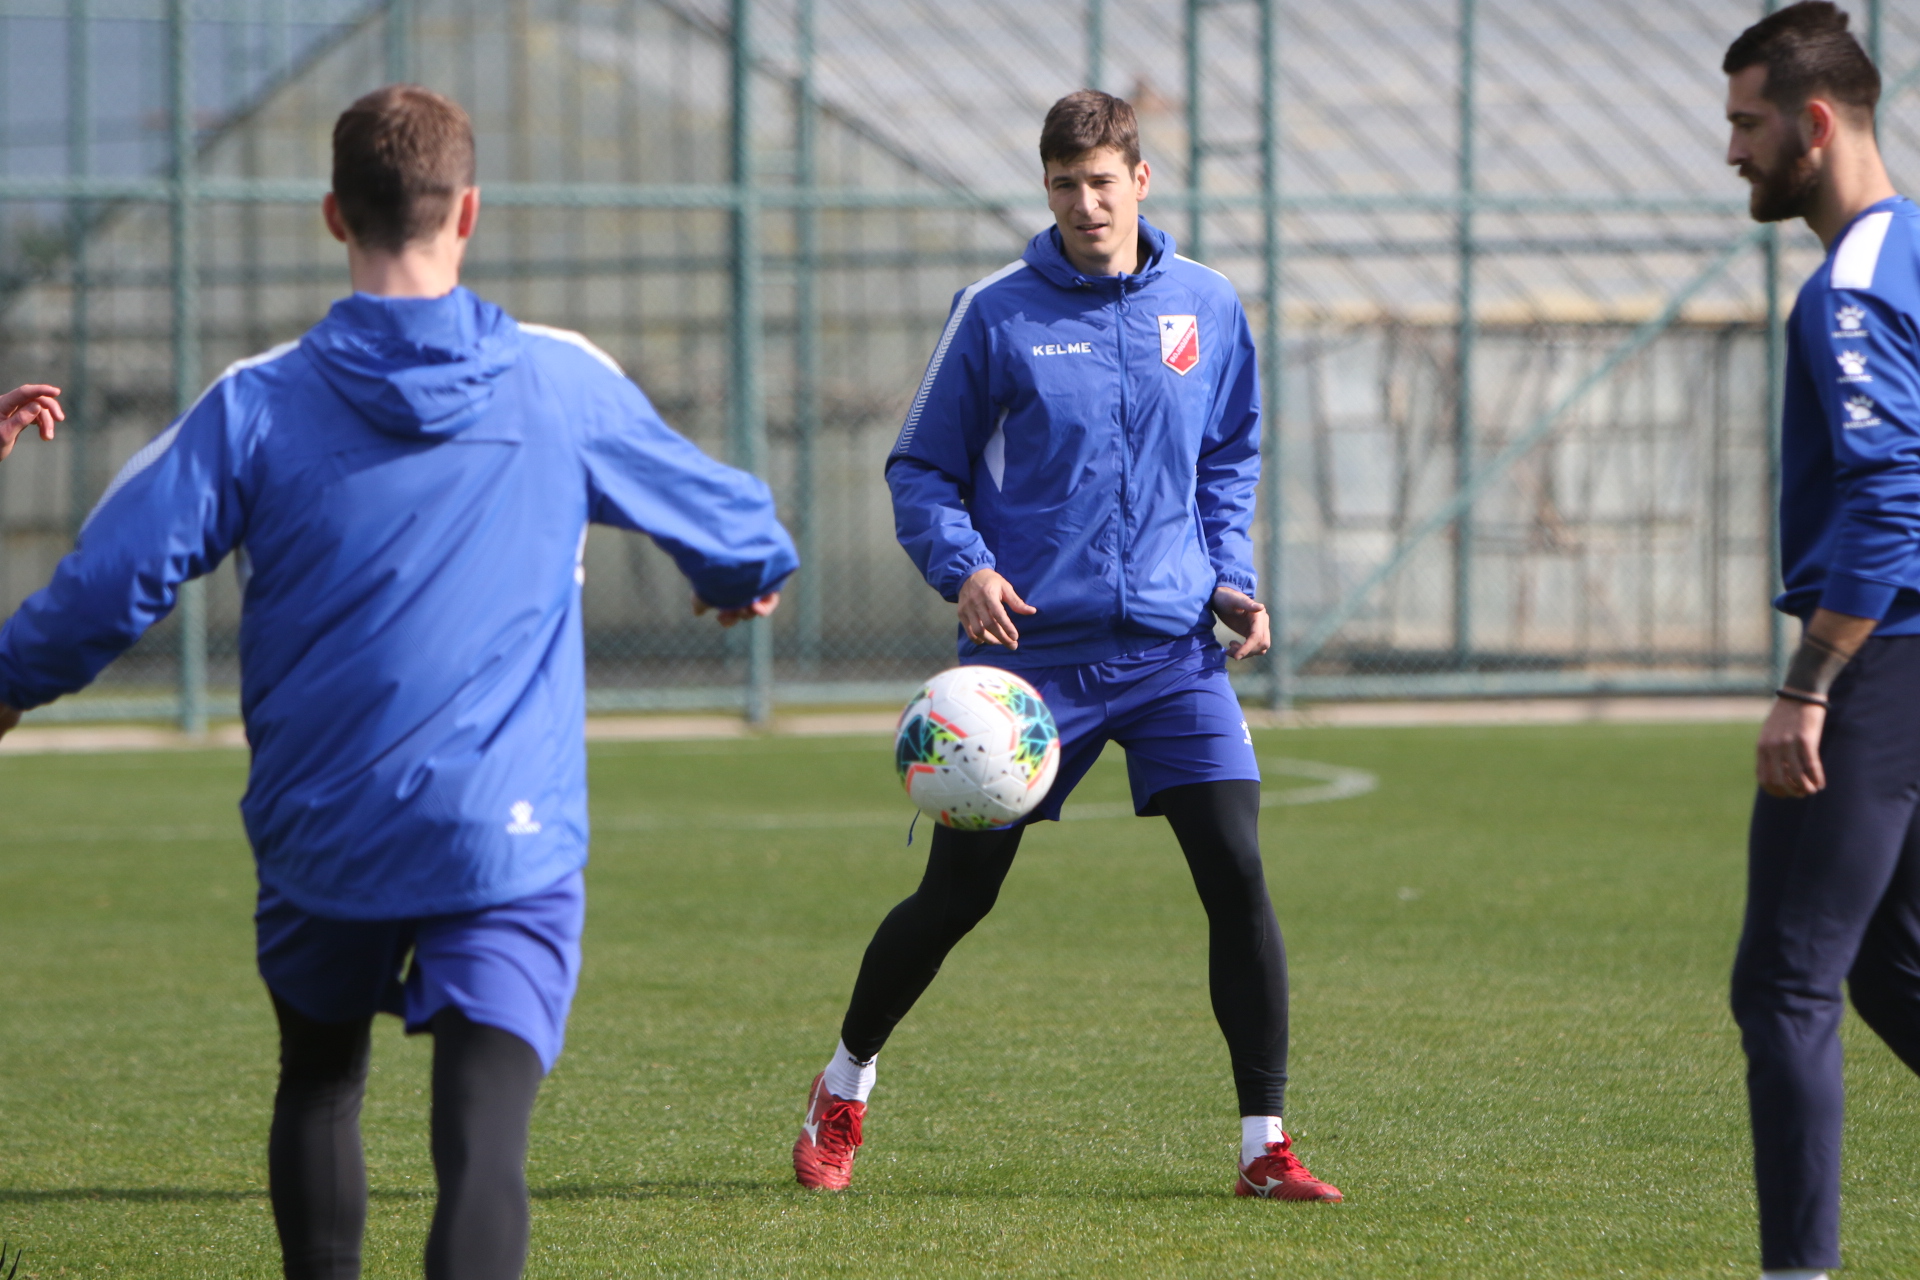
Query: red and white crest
(1180, 342)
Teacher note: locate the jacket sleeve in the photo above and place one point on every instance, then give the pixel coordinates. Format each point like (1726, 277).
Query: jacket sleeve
(930, 470)
(717, 522)
(1872, 385)
(173, 513)
(1227, 475)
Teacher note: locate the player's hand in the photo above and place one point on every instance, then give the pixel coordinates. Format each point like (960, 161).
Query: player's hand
(985, 601)
(1245, 617)
(1788, 757)
(9, 717)
(28, 406)
(760, 608)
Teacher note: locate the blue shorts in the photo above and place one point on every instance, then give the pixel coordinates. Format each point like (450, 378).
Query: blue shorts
(1171, 706)
(514, 966)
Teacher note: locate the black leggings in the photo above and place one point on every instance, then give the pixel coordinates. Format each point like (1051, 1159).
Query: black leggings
(484, 1082)
(1218, 826)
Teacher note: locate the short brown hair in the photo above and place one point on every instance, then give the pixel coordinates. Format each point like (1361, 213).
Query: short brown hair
(1807, 50)
(1087, 121)
(400, 156)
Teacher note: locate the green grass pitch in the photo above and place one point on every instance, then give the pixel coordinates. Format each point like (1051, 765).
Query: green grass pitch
(1511, 1047)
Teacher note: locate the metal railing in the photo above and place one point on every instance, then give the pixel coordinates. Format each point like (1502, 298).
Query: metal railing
(185, 191)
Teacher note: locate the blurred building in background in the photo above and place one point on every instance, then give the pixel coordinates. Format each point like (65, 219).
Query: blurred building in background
(1520, 338)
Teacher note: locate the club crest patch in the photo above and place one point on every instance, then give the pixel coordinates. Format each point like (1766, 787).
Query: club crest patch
(1180, 343)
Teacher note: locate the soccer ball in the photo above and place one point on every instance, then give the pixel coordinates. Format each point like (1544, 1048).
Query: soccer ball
(976, 748)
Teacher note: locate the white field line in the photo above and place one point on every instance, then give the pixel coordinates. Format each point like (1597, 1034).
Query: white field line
(1337, 782)
(697, 730)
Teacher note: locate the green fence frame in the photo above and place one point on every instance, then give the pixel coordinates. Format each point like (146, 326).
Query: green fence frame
(745, 198)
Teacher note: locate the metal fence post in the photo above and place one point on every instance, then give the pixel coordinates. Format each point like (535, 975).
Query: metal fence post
(1196, 148)
(1873, 31)
(1272, 354)
(1467, 333)
(806, 340)
(186, 343)
(79, 215)
(1096, 42)
(748, 410)
(399, 41)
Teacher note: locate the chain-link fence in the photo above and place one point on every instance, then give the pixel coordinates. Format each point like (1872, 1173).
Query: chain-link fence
(1518, 333)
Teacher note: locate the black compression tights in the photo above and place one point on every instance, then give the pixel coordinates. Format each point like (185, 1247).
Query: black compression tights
(484, 1082)
(1218, 826)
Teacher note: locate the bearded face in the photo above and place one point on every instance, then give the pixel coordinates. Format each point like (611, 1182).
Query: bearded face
(1787, 187)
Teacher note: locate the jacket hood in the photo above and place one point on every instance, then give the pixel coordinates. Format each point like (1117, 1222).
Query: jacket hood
(424, 368)
(1045, 255)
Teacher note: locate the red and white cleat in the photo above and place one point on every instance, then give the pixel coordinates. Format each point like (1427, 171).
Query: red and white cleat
(1279, 1175)
(829, 1137)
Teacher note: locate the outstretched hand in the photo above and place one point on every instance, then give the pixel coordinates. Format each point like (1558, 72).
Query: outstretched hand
(985, 601)
(23, 407)
(1245, 617)
(760, 608)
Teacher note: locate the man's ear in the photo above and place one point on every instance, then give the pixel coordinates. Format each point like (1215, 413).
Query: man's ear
(469, 213)
(1141, 174)
(1821, 121)
(330, 214)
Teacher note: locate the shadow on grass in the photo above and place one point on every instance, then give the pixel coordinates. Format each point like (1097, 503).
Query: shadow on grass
(168, 1195)
(745, 1189)
(131, 1195)
(682, 1189)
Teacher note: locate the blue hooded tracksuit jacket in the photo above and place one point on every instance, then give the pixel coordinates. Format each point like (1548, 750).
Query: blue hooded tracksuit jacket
(407, 489)
(1850, 439)
(1096, 440)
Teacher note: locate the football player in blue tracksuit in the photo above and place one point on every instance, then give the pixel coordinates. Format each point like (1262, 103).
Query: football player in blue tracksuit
(406, 492)
(1083, 455)
(1833, 890)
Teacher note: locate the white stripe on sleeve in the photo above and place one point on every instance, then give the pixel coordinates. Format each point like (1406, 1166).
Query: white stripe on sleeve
(1859, 253)
(151, 452)
(940, 352)
(573, 339)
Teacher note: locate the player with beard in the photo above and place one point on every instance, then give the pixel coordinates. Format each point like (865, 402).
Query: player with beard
(1083, 455)
(1833, 888)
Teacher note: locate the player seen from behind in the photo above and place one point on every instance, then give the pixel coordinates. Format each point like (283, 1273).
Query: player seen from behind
(406, 491)
(1833, 887)
(1083, 455)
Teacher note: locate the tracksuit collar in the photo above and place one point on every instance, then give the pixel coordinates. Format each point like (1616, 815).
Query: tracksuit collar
(1045, 255)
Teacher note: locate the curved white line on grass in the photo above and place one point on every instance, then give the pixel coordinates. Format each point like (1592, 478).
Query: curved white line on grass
(1336, 782)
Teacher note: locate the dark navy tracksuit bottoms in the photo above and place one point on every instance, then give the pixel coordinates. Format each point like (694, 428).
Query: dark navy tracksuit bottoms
(1833, 892)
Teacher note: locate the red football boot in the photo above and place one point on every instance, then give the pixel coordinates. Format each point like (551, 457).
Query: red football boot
(1279, 1175)
(829, 1138)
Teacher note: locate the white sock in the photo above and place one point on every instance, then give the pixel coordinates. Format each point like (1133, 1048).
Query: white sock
(848, 1077)
(1795, 1273)
(1255, 1133)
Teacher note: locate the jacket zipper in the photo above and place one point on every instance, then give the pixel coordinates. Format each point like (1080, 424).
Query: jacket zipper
(1126, 459)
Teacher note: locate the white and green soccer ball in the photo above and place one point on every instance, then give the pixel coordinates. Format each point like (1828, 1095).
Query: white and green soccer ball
(976, 748)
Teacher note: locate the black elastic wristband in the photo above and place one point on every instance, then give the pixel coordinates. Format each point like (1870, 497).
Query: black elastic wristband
(1815, 666)
(1794, 695)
